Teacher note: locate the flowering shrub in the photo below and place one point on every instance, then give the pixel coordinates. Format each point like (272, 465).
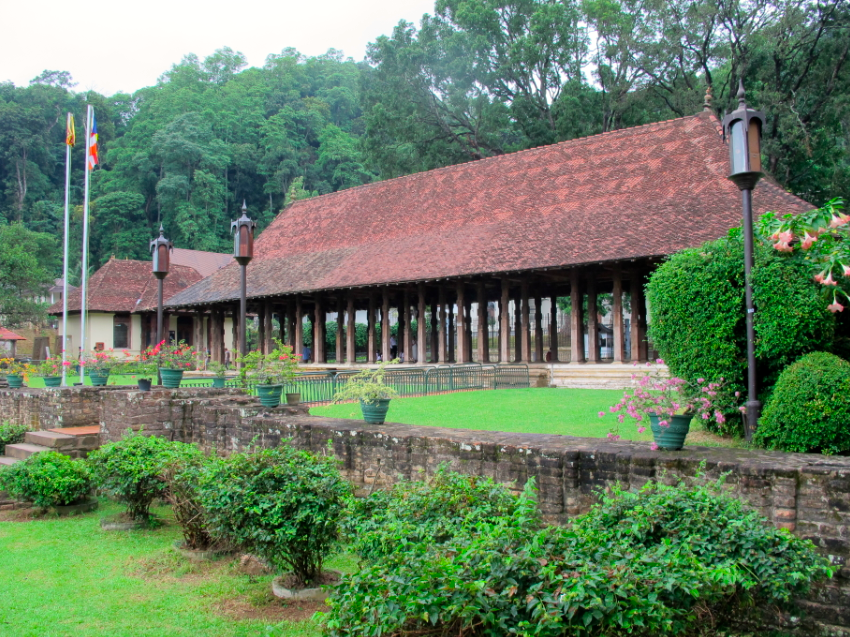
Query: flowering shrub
(99, 362)
(824, 235)
(170, 356)
(275, 368)
(11, 366)
(48, 367)
(667, 397)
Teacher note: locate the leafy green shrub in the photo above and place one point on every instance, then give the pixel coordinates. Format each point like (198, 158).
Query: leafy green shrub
(281, 504)
(663, 561)
(130, 470)
(11, 435)
(809, 409)
(698, 315)
(435, 511)
(47, 479)
(182, 470)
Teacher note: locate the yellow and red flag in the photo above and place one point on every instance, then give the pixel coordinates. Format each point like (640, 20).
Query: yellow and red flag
(92, 158)
(70, 132)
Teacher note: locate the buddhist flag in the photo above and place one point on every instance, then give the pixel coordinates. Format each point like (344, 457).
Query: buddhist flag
(92, 152)
(70, 133)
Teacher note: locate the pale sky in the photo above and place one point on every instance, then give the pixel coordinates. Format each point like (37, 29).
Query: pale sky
(115, 45)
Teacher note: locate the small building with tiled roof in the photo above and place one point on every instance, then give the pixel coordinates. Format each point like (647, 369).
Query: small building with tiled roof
(122, 300)
(512, 237)
(8, 343)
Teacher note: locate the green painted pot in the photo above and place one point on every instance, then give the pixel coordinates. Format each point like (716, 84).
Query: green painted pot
(171, 377)
(219, 382)
(99, 380)
(15, 380)
(375, 412)
(52, 381)
(269, 395)
(671, 437)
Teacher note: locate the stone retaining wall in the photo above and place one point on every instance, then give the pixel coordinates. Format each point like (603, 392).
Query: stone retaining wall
(805, 493)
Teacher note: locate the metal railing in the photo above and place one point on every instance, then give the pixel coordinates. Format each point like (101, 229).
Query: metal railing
(319, 387)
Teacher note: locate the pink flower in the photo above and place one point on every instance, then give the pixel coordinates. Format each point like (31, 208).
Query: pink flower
(613, 436)
(653, 446)
(846, 270)
(663, 423)
(782, 246)
(829, 280)
(808, 240)
(700, 380)
(601, 414)
(838, 220)
(819, 277)
(660, 361)
(641, 429)
(835, 306)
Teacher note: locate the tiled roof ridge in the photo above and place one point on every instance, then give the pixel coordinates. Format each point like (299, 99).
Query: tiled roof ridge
(515, 153)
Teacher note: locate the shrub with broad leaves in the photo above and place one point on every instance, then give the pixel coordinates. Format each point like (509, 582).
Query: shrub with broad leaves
(11, 434)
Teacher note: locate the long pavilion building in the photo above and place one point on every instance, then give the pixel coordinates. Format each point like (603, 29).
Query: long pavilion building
(506, 258)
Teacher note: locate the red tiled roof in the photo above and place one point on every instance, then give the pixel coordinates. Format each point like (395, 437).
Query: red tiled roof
(205, 263)
(638, 192)
(126, 285)
(8, 335)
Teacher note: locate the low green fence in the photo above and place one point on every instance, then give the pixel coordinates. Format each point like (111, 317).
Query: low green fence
(319, 387)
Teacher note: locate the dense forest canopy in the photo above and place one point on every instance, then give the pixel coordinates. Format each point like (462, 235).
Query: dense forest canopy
(477, 78)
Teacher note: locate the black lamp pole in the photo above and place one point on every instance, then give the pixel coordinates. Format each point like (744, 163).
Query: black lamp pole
(161, 250)
(742, 127)
(243, 252)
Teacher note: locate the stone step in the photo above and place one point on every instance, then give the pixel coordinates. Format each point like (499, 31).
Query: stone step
(88, 430)
(7, 460)
(24, 450)
(51, 439)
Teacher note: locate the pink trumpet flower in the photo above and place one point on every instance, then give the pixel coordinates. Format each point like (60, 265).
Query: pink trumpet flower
(829, 280)
(835, 306)
(838, 220)
(846, 270)
(808, 240)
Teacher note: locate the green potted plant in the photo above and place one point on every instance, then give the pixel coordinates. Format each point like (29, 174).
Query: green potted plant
(219, 373)
(50, 371)
(669, 404)
(171, 360)
(270, 372)
(16, 372)
(98, 366)
(368, 387)
(145, 373)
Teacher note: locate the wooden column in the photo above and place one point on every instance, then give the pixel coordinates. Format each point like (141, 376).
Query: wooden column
(441, 335)
(268, 325)
(340, 328)
(351, 333)
(592, 322)
(576, 327)
(234, 347)
(468, 325)
(450, 332)
(483, 332)
(385, 325)
(617, 309)
(538, 329)
(214, 341)
(461, 325)
(518, 328)
(420, 325)
(634, 325)
(370, 322)
(407, 343)
(553, 328)
(198, 332)
(526, 323)
(298, 331)
(319, 318)
(504, 323)
(434, 354)
(290, 324)
(261, 333)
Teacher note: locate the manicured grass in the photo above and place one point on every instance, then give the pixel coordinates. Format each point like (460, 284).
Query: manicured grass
(116, 379)
(65, 577)
(571, 412)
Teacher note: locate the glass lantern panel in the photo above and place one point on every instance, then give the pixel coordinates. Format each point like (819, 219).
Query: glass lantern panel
(160, 261)
(754, 146)
(738, 148)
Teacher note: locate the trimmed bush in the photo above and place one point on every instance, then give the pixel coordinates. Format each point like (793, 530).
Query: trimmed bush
(281, 504)
(11, 435)
(130, 470)
(698, 315)
(47, 479)
(664, 561)
(809, 410)
(182, 470)
(436, 511)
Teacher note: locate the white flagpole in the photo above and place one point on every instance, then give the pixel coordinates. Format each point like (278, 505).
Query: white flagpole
(65, 268)
(85, 250)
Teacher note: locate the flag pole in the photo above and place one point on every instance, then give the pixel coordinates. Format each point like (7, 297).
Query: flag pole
(69, 125)
(85, 264)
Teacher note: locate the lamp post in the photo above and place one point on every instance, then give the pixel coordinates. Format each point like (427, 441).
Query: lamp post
(742, 128)
(243, 252)
(161, 250)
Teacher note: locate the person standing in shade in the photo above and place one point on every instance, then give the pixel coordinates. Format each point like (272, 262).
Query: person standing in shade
(393, 347)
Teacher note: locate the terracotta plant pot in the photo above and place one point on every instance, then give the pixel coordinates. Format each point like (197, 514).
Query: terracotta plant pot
(15, 380)
(52, 381)
(269, 395)
(671, 437)
(375, 413)
(171, 377)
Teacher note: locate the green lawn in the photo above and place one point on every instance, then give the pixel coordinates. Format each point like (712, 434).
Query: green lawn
(65, 577)
(117, 379)
(572, 412)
